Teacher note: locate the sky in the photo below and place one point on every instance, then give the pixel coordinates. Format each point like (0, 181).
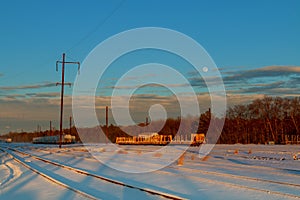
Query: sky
(255, 45)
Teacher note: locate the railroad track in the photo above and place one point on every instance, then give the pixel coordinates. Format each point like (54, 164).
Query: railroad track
(14, 152)
(241, 167)
(213, 165)
(17, 159)
(238, 186)
(219, 176)
(211, 177)
(190, 174)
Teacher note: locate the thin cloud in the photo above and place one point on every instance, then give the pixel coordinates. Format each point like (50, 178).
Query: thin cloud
(32, 108)
(264, 72)
(44, 95)
(200, 82)
(278, 88)
(258, 81)
(130, 78)
(22, 87)
(15, 96)
(147, 85)
(294, 82)
(270, 85)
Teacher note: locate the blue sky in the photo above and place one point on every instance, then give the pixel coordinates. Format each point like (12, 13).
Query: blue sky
(255, 44)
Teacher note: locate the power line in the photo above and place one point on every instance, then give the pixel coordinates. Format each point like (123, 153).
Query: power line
(101, 23)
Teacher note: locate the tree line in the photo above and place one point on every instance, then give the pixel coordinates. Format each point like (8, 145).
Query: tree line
(270, 119)
(273, 119)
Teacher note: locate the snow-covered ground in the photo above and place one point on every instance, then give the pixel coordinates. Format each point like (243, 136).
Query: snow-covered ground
(75, 172)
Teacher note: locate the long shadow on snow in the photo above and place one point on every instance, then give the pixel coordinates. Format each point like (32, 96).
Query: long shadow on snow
(134, 179)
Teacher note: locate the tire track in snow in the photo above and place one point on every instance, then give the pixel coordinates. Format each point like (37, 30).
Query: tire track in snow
(13, 171)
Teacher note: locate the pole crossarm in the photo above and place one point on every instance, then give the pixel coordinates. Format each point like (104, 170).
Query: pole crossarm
(69, 84)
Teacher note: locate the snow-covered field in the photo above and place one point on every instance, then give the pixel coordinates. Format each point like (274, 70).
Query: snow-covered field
(29, 171)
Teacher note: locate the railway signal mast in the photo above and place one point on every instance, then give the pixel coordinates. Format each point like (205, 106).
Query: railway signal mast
(63, 62)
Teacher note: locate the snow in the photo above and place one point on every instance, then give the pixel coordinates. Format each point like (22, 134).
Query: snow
(17, 182)
(228, 172)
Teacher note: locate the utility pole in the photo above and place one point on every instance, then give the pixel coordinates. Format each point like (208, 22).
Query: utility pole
(106, 123)
(70, 125)
(146, 124)
(63, 62)
(50, 127)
